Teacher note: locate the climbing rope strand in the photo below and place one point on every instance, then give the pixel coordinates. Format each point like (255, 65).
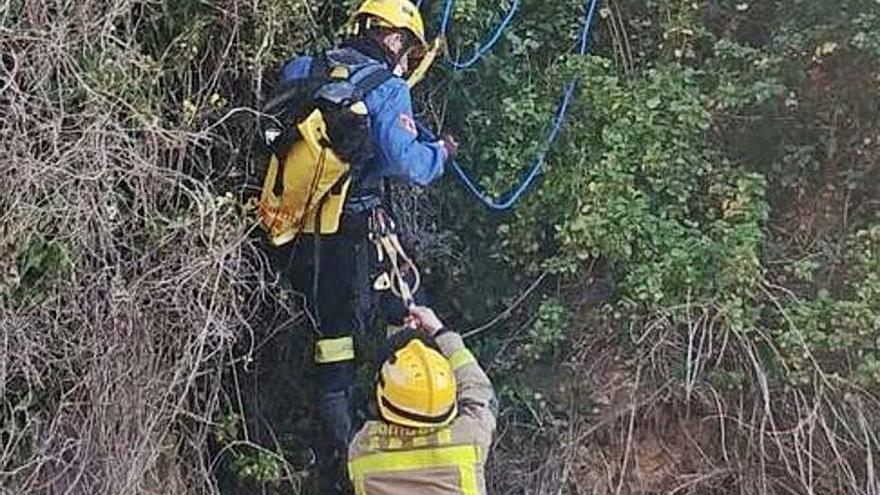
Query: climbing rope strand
(490, 42)
(512, 197)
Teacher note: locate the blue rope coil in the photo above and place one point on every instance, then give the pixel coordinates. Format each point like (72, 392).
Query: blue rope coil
(509, 199)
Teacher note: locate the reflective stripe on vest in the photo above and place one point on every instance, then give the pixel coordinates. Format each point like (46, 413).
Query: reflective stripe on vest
(460, 358)
(334, 350)
(462, 457)
(385, 436)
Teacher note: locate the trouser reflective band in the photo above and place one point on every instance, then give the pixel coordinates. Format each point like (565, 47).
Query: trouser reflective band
(463, 457)
(460, 358)
(334, 350)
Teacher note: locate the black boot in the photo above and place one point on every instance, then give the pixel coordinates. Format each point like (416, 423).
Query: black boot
(334, 412)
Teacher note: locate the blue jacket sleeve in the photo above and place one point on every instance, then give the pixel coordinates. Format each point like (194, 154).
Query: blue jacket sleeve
(404, 157)
(297, 68)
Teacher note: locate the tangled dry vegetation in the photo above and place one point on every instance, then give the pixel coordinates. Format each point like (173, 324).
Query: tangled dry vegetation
(130, 286)
(124, 274)
(615, 422)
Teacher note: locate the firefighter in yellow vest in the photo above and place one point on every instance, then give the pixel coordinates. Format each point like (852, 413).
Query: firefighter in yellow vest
(437, 409)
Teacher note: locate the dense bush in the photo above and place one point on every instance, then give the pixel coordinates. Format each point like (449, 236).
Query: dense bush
(719, 168)
(717, 159)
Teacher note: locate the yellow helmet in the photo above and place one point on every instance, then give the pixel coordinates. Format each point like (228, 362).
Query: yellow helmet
(417, 388)
(398, 14)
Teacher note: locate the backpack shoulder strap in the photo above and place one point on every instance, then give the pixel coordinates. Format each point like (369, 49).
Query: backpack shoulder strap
(318, 69)
(370, 77)
(299, 89)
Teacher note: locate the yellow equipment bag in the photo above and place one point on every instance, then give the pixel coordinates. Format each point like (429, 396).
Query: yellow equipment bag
(314, 185)
(310, 172)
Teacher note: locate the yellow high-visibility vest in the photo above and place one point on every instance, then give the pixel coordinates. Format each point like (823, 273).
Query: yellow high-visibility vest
(463, 458)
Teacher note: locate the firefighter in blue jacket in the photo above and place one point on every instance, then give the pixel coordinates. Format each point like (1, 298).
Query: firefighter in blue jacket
(336, 273)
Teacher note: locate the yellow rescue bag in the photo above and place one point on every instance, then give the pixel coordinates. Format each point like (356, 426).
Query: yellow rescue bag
(313, 184)
(310, 172)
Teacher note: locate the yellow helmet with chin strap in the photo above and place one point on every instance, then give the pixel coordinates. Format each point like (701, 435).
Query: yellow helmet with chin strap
(397, 14)
(416, 388)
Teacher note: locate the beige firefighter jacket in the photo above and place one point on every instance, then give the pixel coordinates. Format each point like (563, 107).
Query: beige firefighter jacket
(385, 459)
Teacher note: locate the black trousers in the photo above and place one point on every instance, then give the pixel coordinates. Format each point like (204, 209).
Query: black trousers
(336, 273)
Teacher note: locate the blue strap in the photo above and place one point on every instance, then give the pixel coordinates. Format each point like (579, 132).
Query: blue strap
(370, 77)
(509, 199)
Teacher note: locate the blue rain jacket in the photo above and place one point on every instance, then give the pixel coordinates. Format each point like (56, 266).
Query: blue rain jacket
(401, 155)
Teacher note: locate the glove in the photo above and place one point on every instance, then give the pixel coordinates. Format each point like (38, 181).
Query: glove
(424, 318)
(450, 145)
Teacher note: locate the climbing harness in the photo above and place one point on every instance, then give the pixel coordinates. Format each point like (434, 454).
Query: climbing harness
(383, 234)
(509, 199)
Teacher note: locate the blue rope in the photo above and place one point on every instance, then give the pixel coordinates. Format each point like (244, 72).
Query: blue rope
(512, 197)
(490, 42)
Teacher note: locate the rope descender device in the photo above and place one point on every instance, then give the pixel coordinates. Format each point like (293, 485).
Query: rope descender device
(383, 235)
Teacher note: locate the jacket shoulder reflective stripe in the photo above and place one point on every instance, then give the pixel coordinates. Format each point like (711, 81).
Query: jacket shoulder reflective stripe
(461, 358)
(384, 436)
(463, 457)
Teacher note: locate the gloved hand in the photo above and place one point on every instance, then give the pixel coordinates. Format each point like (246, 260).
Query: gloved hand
(450, 145)
(425, 319)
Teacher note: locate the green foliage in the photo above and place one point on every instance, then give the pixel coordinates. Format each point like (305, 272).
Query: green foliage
(258, 467)
(282, 27)
(226, 429)
(177, 31)
(672, 172)
(709, 147)
(867, 35)
(744, 75)
(548, 331)
(249, 463)
(114, 71)
(728, 380)
(799, 164)
(817, 22)
(650, 199)
(839, 334)
(41, 263)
